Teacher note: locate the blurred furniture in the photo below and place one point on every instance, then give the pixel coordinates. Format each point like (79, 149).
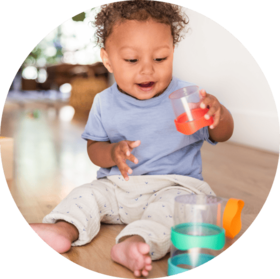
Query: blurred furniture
(7, 155)
(29, 84)
(86, 82)
(83, 92)
(64, 73)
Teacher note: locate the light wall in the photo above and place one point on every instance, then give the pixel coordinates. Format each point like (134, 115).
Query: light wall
(212, 58)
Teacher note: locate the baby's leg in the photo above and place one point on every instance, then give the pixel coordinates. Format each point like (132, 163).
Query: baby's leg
(150, 235)
(148, 210)
(58, 236)
(76, 220)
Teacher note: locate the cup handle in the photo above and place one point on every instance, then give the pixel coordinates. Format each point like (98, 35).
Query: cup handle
(232, 217)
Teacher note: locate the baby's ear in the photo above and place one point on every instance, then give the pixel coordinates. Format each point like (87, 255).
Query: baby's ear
(105, 60)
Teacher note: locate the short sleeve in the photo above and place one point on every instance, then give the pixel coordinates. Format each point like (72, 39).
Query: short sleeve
(94, 129)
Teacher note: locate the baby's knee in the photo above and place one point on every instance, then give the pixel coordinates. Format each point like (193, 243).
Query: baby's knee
(82, 190)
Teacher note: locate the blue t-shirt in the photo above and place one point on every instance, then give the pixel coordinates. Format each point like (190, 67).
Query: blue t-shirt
(115, 116)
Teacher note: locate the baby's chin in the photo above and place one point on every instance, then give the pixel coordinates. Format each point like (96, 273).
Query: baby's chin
(143, 97)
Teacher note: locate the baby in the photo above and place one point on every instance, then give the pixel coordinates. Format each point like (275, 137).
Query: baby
(144, 162)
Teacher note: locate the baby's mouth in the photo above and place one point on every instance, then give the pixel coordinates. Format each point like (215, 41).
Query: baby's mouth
(146, 84)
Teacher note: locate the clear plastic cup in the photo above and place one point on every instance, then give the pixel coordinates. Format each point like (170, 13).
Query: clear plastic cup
(189, 117)
(197, 209)
(198, 234)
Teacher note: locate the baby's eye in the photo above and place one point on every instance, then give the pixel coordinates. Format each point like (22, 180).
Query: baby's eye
(135, 60)
(160, 59)
(131, 60)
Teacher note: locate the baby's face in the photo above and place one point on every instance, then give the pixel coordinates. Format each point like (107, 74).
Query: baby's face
(140, 54)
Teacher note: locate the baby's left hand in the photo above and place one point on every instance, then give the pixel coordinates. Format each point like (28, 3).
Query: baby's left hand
(215, 108)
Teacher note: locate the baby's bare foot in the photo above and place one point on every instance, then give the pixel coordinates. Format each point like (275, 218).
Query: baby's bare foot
(59, 236)
(133, 254)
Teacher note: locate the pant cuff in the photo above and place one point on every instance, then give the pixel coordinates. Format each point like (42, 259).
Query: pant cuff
(84, 236)
(158, 247)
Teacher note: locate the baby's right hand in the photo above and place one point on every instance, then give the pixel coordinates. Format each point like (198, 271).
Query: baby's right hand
(122, 152)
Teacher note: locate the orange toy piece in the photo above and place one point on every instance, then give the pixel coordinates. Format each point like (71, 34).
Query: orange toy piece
(189, 127)
(232, 217)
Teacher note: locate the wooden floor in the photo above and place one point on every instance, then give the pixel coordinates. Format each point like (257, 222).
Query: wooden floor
(51, 159)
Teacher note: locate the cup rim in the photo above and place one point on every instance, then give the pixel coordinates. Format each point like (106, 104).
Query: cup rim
(218, 201)
(172, 96)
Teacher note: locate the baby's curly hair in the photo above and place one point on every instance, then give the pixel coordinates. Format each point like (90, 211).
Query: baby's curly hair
(141, 10)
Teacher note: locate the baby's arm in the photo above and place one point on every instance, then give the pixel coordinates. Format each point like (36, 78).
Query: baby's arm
(222, 128)
(99, 153)
(107, 155)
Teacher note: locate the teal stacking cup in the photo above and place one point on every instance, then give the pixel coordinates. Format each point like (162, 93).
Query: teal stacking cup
(198, 234)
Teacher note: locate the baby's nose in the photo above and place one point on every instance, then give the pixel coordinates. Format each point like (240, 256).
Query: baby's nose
(147, 68)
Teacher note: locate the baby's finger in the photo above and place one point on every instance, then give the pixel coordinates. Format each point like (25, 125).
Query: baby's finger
(133, 144)
(206, 102)
(123, 167)
(125, 176)
(216, 120)
(133, 159)
(125, 148)
(212, 111)
(202, 93)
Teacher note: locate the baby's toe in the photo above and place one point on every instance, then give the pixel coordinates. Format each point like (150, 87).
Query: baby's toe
(148, 267)
(145, 273)
(147, 260)
(137, 273)
(143, 248)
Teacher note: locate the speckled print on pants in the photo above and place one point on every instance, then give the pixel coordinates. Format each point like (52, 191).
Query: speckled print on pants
(145, 203)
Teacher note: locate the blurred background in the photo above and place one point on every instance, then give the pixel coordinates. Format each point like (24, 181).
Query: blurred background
(64, 66)
(47, 108)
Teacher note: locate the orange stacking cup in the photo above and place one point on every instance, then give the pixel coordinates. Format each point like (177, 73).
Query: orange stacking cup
(186, 106)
